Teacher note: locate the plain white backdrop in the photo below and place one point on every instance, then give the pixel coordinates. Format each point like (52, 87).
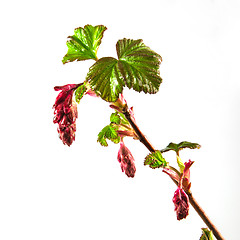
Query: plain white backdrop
(52, 192)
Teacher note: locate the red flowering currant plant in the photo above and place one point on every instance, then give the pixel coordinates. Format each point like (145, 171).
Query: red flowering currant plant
(137, 68)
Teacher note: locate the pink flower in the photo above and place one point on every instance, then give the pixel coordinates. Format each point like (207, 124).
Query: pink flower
(126, 160)
(186, 175)
(65, 111)
(185, 179)
(181, 203)
(180, 198)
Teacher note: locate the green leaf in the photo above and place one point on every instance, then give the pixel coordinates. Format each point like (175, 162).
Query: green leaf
(137, 68)
(84, 43)
(155, 160)
(177, 147)
(139, 65)
(180, 164)
(124, 121)
(108, 132)
(105, 78)
(115, 118)
(80, 92)
(206, 234)
(111, 132)
(102, 139)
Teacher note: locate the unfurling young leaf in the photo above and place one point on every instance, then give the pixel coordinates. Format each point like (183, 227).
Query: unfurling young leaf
(180, 164)
(123, 119)
(109, 132)
(84, 43)
(206, 234)
(137, 67)
(80, 92)
(177, 147)
(115, 118)
(155, 160)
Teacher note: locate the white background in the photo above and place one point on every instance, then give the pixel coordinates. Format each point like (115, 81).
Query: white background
(52, 192)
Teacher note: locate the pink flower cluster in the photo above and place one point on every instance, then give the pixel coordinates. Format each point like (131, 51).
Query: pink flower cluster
(180, 198)
(181, 203)
(65, 111)
(126, 160)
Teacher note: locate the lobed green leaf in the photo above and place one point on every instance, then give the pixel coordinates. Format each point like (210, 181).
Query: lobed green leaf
(124, 121)
(115, 118)
(155, 160)
(137, 68)
(105, 78)
(102, 139)
(177, 147)
(109, 132)
(139, 65)
(84, 43)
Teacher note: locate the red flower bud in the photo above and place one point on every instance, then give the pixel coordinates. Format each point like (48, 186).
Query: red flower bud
(181, 203)
(126, 160)
(183, 181)
(186, 175)
(180, 198)
(65, 111)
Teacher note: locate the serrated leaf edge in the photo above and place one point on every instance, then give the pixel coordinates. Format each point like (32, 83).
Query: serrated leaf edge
(151, 158)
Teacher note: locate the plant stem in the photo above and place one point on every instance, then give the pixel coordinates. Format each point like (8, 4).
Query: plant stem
(142, 138)
(192, 200)
(204, 217)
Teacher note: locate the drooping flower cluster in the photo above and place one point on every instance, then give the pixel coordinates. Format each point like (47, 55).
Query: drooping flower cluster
(65, 111)
(126, 160)
(125, 157)
(181, 203)
(180, 198)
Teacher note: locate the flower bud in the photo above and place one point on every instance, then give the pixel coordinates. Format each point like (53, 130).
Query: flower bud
(65, 111)
(186, 175)
(126, 160)
(181, 203)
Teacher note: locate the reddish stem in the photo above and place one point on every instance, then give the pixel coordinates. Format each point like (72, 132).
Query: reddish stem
(204, 217)
(192, 200)
(141, 137)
